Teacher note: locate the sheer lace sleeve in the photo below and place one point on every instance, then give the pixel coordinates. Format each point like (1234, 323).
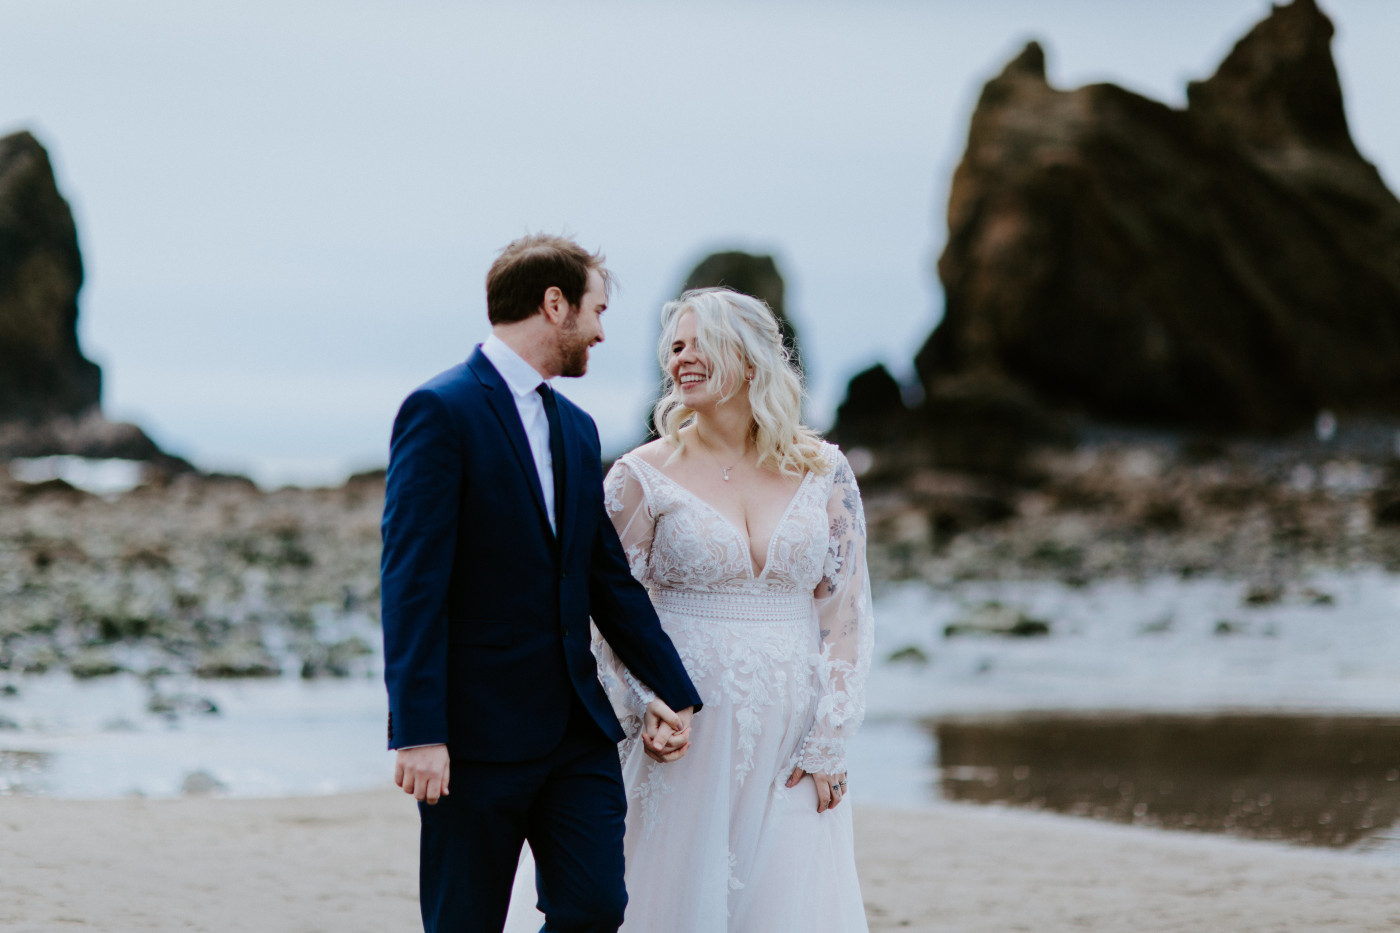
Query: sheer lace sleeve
(847, 629)
(626, 503)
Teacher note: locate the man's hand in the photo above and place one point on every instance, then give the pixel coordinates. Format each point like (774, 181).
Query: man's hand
(831, 788)
(423, 771)
(666, 734)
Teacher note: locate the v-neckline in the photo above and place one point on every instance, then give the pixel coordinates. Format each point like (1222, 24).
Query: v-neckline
(738, 532)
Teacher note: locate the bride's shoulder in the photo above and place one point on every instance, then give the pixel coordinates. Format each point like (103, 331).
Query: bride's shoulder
(654, 453)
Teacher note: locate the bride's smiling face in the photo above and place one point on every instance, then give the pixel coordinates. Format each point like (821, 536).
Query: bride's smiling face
(688, 367)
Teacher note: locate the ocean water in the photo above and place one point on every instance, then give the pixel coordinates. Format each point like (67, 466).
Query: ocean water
(1329, 646)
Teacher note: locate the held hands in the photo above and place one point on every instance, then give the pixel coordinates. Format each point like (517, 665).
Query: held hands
(423, 772)
(831, 788)
(666, 734)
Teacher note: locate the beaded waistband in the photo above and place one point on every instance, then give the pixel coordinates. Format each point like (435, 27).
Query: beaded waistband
(731, 608)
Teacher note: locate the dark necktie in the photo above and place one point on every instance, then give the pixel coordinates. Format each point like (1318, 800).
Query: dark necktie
(556, 449)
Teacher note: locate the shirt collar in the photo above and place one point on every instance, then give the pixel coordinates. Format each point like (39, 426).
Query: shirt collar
(520, 376)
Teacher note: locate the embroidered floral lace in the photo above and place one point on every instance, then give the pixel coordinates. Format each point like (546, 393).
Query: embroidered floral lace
(793, 635)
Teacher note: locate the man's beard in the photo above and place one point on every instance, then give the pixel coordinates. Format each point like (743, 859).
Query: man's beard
(573, 350)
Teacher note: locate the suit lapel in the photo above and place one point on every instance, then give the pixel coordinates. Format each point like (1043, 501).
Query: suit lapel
(502, 402)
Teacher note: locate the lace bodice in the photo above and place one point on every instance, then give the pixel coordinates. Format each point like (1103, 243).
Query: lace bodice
(677, 543)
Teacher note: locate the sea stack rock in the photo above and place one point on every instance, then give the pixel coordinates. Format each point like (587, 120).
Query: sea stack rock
(1234, 265)
(43, 373)
(49, 392)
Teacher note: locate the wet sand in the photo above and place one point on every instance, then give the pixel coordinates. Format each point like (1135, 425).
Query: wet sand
(349, 863)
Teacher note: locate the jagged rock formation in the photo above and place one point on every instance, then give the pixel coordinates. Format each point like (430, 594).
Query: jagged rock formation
(1233, 265)
(757, 276)
(49, 392)
(43, 374)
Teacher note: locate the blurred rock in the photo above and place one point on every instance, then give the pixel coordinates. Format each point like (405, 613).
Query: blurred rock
(1263, 594)
(337, 659)
(873, 413)
(1233, 265)
(1387, 507)
(237, 660)
(201, 784)
(996, 619)
(93, 663)
(983, 424)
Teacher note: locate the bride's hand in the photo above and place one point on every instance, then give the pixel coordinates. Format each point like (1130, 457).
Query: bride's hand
(665, 734)
(831, 788)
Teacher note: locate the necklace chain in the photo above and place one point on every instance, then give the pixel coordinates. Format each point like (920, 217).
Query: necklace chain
(724, 470)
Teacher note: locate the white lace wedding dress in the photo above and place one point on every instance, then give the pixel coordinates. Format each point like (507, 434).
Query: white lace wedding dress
(715, 842)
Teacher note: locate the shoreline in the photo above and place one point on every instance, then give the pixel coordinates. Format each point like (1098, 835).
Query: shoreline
(349, 862)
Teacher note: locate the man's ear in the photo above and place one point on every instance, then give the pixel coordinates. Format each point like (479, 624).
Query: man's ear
(554, 306)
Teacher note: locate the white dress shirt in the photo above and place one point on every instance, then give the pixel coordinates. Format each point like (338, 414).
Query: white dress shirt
(523, 379)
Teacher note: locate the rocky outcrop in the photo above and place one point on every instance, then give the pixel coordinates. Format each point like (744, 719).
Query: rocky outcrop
(43, 374)
(757, 276)
(873, 413)
(49, 392)
(1233, 265)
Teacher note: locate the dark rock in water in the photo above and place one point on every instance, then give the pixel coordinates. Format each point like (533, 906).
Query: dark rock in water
(43, 374)
(909, 654)
(748, 274)
(1233, 265)
(171, 706)
(93, 663)
(237, 660)
(337, 659)
(201, 784)
(1263, 594)
(996, 619)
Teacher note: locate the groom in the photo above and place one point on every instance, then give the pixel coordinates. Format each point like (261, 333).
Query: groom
(497, 551)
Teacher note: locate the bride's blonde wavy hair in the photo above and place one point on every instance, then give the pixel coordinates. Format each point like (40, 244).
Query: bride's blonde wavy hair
(736, 333)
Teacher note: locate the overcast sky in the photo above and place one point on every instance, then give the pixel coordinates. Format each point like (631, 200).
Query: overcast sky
(286, 209)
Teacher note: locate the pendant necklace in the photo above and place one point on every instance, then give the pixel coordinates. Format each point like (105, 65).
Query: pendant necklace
(724, 470)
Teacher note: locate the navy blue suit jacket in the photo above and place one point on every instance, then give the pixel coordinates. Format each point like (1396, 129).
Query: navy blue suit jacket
(485, 611)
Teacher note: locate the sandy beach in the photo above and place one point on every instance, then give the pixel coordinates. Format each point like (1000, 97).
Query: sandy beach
(348, 863)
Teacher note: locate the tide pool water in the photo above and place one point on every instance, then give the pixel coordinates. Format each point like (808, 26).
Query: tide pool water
(1328, 645)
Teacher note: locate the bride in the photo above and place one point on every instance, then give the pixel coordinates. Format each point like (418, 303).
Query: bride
(748, 531)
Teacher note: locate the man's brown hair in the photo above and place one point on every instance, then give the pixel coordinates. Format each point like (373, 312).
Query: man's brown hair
(528, 267)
